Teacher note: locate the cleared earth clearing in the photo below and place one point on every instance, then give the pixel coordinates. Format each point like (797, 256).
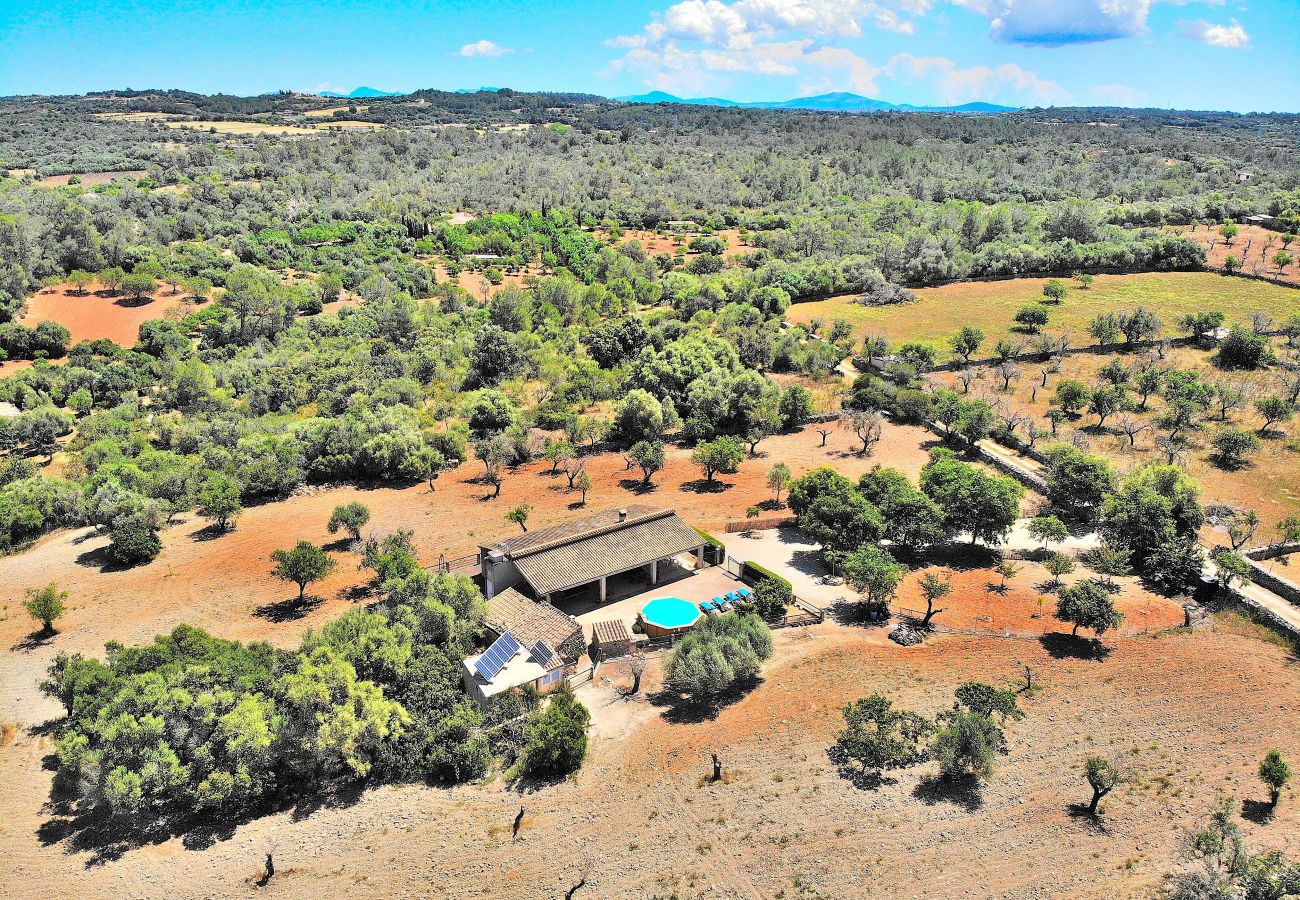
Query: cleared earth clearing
(639, 821)
(992, 305)
(93, 316)
(244, 128)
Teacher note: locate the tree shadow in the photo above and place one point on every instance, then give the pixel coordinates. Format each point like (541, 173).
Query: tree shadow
(208, 532)
(1258, 811)
(37, 639)
(963, 791)
(99, 558)
(680, 710)
(288, 610)
(133, 302)
(87, 828)
(1094, 821)
(704, 486)
(855, 614)
(961, 557)
(637, 486)
(1072, 646)
(854, 774)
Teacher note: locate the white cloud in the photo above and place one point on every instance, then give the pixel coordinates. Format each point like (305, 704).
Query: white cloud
(1232, 36)
(956, 85)
(483, 48)
(1057, 22)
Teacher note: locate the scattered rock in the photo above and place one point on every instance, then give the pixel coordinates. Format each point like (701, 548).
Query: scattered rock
(906, 635)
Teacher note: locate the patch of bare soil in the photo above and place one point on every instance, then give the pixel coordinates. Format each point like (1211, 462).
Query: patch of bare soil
(1189, 714)
(97, 314)
(1254, 247)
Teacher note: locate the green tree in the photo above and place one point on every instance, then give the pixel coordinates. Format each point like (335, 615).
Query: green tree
(778, 479)
(1088, 605)
(639, 416)
(302, 565)
(1047, 530)
(134, 538)
(772, 597)
(933, 589)
(983, 506)
(1272, 409)
(966, 342)
(218, 499)
(649, 457)
(879, 737)
(966, 744)
(1275, 773)
(555, 740)
(519, 515)
(1032, 318)
(1058, 564)
(1103, 777)
(45, 605)
(1054, 290)
(350, 517)
(720, 456)
(718, 654)
(873, 573)
(1071, 396)
(1232, 447)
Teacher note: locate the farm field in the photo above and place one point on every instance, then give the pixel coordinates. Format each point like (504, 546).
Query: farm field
(90, 179)
(1190, 713)
(991, 305)
(244, 128)
(1268, 484)
(94, 316)
(1253, 246)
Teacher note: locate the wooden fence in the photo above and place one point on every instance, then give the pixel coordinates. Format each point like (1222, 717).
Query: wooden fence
(738, 525)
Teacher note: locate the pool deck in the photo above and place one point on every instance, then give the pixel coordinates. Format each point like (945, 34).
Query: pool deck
(702, 584)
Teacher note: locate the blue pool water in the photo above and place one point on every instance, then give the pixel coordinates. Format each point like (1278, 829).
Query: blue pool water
(670, 612)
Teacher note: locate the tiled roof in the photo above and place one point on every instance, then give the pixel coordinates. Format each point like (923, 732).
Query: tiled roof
(577, 529)
(566, 561)
(611, 632)
(529, 620)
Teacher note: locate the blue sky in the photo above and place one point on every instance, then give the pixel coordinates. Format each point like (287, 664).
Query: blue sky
(1198, 54)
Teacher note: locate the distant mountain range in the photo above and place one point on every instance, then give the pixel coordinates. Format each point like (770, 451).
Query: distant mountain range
(360, 92)
(836, 102)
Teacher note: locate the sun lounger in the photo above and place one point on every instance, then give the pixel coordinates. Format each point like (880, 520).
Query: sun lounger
(707, 607)
(719, 603)
(734, 598)
(744, 593)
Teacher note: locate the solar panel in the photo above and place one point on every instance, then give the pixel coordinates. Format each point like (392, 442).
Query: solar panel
(542, 653)
(494, 659)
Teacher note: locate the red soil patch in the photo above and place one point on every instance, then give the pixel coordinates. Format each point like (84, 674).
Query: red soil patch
(90, 179)
(94, 316)
(977, 602)
(673, 243)
(1253, 246)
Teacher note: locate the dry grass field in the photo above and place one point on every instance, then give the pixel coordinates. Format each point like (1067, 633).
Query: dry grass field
(245, 128)
(1268, 484)
(992, 305)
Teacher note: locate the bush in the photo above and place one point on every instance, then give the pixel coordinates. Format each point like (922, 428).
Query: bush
(718, 654)
(134, 540)
(772, 596)
(1244, 349)
(754, 573)
(557, 736)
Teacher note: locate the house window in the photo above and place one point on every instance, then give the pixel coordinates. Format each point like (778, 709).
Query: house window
(551, 677)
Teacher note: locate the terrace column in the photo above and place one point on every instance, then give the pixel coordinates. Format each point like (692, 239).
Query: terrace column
(654, 571)
(602, 589)
(699, 557)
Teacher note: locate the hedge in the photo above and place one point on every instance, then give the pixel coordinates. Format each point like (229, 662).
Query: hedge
(758, 573)
(711, 540)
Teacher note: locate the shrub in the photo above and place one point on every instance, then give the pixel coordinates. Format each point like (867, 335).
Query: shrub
(718, 654)
(557, 736)
(772, 596)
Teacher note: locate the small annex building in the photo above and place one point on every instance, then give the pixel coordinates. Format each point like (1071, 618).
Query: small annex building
(533, 644)
(587, 551)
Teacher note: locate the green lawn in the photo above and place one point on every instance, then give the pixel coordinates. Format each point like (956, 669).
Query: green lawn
(991, 306)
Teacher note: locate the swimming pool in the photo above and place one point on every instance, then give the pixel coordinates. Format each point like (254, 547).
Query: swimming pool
(670, 612)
